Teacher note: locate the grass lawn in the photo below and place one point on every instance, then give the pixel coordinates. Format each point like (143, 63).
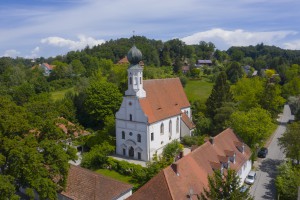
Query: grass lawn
(57, 95)
(198, 90)
(114, 175)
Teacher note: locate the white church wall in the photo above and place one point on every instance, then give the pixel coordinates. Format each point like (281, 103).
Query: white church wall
(185, 131)
(187, 111)
(160, 140)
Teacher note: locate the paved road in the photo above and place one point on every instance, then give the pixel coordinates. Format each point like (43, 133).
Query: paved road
(264, 186)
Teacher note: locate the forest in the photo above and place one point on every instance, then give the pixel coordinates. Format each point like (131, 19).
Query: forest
(34, 151)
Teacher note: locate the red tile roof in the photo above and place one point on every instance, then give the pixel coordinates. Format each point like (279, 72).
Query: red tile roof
(187, 121)
(83, 184)
(50, 67)
(164, 98)
(123, 61)
(193, 169)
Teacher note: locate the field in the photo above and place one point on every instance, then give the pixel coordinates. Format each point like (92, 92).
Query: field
(57, 95)
(198, 90)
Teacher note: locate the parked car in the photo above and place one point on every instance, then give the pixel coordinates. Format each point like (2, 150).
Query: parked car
(250, 178)
(262, 153)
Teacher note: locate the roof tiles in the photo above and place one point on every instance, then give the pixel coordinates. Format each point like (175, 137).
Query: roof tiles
(193, 169)
(164, 98)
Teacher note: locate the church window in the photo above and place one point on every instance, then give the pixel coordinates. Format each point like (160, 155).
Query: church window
(130, 117)
(152, 136)
(139, 155)
(124, 152)
(177, 125)
(130, 103)
(123, 135)
(170, 127)
(162, 128)
(140, 80)
(139, 137)
(130, 80)
(130, 133)
(136, 81)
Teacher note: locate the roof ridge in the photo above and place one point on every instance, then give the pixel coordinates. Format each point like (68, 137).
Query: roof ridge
(165, 178)
(161, 79)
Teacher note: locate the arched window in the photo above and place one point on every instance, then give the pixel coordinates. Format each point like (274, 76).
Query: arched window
(177, 125)
(140, 80)
(130, 80)
(139, 138)
(162, 128)
(123, 134)
(130, 117)
(170, 127)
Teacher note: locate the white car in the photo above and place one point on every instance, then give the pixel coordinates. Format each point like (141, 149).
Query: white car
(251, 177)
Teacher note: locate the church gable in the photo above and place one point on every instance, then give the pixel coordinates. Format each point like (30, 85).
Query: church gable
(165, 98)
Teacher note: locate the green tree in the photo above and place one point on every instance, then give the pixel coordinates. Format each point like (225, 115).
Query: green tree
(219, 95)
(102, 99)
(234, 72)
(224, 186)
(97, 156)
(7, 188)
(287, 181)
(172, 150)
(271, 99)
(252, 126)
(78, 68)
(290, 142)
(247, 92)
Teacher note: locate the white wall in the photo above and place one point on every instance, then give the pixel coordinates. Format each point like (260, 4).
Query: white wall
(161, 140)
(244, 171)
(138, 125)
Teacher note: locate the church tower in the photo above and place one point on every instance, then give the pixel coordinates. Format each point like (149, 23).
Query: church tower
(135, 74)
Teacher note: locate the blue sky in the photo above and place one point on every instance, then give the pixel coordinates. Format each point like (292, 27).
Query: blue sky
(34, 28)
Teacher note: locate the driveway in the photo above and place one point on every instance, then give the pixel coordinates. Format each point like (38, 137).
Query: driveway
(264, 186)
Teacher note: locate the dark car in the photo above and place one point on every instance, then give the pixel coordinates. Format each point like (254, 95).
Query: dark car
(262, 153)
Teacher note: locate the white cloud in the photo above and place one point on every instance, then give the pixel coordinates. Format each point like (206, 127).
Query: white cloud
(11, 53)
(293, 45)
(237, 37)
(71, 44)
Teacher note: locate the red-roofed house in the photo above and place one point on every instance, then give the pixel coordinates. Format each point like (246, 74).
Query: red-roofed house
(47, 68)
(83, 184)
(153, 113)
(189, 174)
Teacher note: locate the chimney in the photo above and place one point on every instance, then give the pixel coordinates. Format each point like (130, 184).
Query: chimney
(174, 166)
(211, 140)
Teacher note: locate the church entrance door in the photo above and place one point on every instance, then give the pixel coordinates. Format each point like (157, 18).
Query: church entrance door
(131, 152)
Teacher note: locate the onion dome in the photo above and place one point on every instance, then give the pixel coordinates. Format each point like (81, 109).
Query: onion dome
(134, 55)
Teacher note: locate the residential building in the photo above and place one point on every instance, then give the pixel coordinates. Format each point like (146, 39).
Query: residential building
(201, 63)
(83, 184)
(47, 68)
(153, 113)
(186, 178)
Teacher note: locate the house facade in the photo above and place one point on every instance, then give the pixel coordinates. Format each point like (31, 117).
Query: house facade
(47, 68)
(153, 113)
(187, 177)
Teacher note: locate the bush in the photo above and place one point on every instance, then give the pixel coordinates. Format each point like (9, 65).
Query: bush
(192, 140)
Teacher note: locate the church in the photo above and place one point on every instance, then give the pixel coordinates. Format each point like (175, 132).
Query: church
(153, 113)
